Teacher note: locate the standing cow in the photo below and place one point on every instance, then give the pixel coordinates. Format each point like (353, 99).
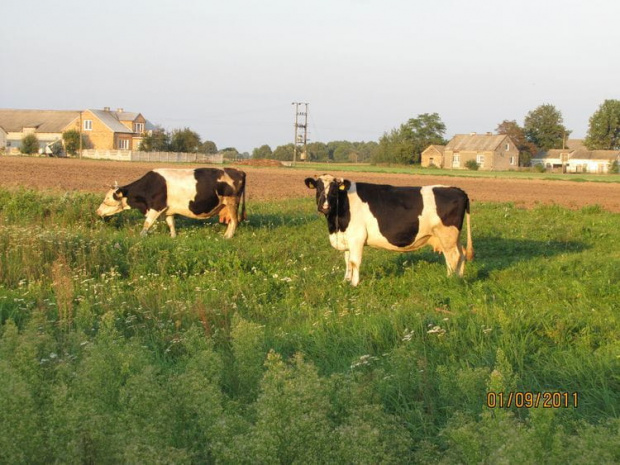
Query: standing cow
(195, 193)
(393, 218)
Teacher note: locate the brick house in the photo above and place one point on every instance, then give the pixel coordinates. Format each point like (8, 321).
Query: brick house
(433, 156)
(102, 129)
(492, 152)
(47, 125)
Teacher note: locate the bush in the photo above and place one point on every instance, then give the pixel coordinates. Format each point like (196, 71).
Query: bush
(472, 165)
(540, 168)
(614, 168)
(30, 144)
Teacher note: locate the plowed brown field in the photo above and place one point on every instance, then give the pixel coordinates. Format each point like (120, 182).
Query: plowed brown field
(271, 183)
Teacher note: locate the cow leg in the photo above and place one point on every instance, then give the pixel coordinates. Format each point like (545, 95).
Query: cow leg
(453, 258)
(452, 250)
(355, 261)
(231, 205)
(170, 223)
(151, 217)
(348, 271)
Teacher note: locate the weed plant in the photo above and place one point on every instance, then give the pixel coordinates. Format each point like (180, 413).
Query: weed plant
(120, 349)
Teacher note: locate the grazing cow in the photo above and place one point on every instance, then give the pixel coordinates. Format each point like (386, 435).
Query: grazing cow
(393, 218)
(195, 193)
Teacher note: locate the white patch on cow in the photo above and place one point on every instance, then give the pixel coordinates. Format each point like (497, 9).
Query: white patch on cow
(110, 206)
(181, 188)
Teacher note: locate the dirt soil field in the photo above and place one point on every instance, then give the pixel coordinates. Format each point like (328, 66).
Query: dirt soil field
(272, 183)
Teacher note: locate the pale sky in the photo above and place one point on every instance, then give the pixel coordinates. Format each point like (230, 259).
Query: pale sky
(230, 69)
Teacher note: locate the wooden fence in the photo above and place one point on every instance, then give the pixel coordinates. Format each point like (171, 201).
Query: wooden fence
(172, 157)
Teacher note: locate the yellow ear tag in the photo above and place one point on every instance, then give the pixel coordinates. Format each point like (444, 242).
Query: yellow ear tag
(342, 187)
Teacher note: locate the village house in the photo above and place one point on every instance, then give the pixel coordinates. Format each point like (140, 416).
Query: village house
(576, 158)
(104, 129)
(492, 152)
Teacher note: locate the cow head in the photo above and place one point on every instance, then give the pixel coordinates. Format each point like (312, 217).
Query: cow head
(115, 201)
(328, 191)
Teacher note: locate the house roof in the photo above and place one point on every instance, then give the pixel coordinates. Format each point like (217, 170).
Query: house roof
(439, 148)
(126, 115)
(110, 119)
(476, 142)
(581, 153)
(585, 154)
(41, 120)
(574, 144)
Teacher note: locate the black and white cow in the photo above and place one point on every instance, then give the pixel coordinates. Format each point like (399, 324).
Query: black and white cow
(394, 218)
(195, 193)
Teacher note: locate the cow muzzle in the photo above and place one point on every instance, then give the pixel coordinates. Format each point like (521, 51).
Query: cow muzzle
(323, 208)
(107, 210)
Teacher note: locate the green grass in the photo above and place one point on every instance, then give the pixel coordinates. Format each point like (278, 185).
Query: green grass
(116, 348)
(417, 170)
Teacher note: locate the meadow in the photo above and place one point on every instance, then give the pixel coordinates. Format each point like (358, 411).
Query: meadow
(121, 349)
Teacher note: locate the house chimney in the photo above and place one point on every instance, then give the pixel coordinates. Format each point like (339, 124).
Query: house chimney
(119, 110)
(489, 133)
(106, 108)
(472, 133)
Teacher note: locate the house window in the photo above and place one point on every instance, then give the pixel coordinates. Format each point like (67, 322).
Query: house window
(507, 147)
(513, 160)
(88, 125)
(456, 161)
(138, 128)
(123, 144)
(480, 159)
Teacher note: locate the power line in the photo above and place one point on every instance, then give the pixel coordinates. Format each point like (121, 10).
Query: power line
(301, 139)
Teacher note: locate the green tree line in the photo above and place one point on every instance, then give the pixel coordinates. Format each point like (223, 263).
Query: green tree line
(542, 129)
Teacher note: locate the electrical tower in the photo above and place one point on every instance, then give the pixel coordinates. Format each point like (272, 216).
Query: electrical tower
(301, 132)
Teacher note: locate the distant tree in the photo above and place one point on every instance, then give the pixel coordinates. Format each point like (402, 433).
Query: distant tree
(30, 144)
(230, 153)
(406, 144)
(604, 129)
(284, 152)
(71, 139)
(317, 151)
(184, 140)
(156, 141)
(264, 151)
(544, 128)
(340, 150)
(527, 150)
(365, 150)
(208, 147)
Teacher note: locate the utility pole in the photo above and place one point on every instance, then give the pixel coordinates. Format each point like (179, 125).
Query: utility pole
(301, 138)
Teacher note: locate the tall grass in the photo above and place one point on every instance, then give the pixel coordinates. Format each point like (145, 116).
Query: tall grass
(117, 348)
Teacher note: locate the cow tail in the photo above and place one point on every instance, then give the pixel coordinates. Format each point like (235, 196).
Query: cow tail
(243, 215)
(470, 247)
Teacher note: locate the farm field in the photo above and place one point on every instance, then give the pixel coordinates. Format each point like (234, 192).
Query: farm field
(120, 349)
(282, 183)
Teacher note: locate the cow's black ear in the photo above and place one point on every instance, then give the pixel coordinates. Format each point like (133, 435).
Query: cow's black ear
(119, 193)
(310, 183)
(344, 185)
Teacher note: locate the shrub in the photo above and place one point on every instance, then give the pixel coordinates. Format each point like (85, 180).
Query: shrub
(472, 165)
(30, 144)
(539, 168)
(72, 141)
